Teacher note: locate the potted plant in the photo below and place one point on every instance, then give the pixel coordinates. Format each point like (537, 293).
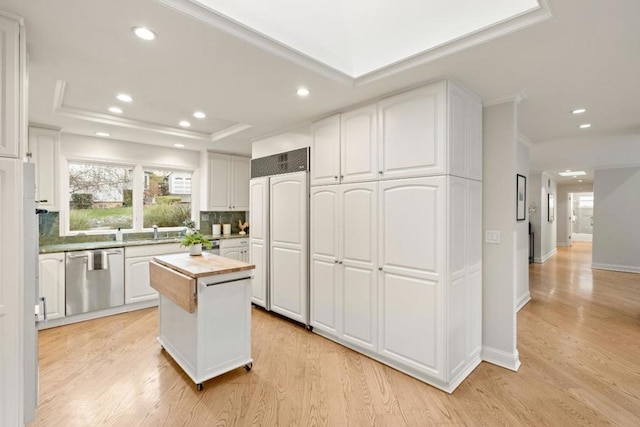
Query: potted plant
(195, 241)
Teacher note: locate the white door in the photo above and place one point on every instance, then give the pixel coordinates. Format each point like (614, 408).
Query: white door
(241, 173)
(259, 238)
(52, 285)
(358, 259)
(358, 145)
(325, 151)
(411, 251)
(324, 258)
(412, 132)
(219, 182)
(289, 252)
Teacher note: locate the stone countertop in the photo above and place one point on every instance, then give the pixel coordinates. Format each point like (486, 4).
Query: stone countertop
(87, 246)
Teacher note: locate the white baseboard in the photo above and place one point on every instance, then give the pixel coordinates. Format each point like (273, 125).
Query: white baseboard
(563, 244)
(501, 358)
(96, 314)
(545, 258)
(613, 267)
(523, 300)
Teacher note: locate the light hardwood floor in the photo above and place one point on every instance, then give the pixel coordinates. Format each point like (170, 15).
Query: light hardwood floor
(579, 343)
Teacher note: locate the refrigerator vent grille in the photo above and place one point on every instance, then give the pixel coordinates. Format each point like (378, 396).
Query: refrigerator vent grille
(281, 163)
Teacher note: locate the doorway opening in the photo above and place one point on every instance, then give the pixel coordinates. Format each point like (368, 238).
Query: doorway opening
(582, 217)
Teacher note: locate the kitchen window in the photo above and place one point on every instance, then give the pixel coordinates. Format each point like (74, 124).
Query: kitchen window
(103, 197)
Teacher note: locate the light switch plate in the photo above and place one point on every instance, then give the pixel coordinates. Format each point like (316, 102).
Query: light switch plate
(492, 236)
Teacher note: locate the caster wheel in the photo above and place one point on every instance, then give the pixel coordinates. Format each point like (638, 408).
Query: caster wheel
(199, 387)
(248, 366)
(309, 328)
(162, 350)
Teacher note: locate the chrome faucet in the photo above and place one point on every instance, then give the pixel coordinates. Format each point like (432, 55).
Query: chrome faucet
(155, 231)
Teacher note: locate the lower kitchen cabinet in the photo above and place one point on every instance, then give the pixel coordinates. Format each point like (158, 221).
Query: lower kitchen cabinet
(52, 285)
(235, 249)
(137, 285)
(396, 273)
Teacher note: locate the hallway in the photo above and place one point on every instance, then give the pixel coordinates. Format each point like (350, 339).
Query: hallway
(579, 343)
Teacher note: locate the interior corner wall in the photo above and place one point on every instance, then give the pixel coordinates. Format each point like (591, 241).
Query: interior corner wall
(563, 226)
(543, 229)
(534, 194)
(499, 274)
(286, 141)
(616, 239)
(522, 234)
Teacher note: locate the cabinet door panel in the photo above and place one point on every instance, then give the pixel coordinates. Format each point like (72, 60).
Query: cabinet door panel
(52, 284)
(325, 151)
(44, 145)
(358, 145)
(412, 131)
(360, 306)
(324, 296)
(138, 284)
(324, 222)
(233, 253)
(9, 88)
(411, 322)
(359, 224)
(241, 174)
(258, 257)
(412, 227)
(288, 296)
(220, 182)
(258, 215)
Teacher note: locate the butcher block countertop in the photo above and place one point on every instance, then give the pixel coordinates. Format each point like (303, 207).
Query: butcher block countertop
(202, 265)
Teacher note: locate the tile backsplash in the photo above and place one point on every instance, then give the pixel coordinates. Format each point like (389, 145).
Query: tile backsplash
(207, 219)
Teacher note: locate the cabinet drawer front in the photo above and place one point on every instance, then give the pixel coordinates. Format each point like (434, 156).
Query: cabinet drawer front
(153, 250)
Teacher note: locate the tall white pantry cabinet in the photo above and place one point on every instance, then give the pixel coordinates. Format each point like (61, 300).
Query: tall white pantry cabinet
(396, 218)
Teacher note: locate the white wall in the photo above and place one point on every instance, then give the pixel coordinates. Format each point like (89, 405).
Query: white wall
(563, 211)
(522, 235)
(544, 231)
(499, 271)
(88, 148)
(286, 141)
(616, 239)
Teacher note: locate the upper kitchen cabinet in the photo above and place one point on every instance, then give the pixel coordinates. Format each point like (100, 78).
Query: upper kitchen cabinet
(344, 147)
(432, 130)
(12, 80)
(325, 151)
(44, 146)
(228, 183)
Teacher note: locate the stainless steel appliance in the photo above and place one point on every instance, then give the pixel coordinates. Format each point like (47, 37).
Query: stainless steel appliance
(94, 280)
(215, 249)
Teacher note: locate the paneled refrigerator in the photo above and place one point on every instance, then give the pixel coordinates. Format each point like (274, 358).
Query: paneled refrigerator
(279, 218)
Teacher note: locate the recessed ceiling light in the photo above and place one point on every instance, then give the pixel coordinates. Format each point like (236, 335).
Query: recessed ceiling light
(579, 110)
(116, 110)
(199, 115)
(184, 123)
(303, 91)
(585, 126)
(104, 134)
(178, 145)
(144, 33)
(573, 174)
(124, 97)
(579, 180)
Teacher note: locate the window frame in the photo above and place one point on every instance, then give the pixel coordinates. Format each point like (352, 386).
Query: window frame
(138, 188)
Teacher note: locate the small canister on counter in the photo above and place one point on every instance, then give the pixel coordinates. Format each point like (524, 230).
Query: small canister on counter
(226, 229)
(215, 229)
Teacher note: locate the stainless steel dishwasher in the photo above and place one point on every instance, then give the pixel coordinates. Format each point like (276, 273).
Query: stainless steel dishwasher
(94, 280)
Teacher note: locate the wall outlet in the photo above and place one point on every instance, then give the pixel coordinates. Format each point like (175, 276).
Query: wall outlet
(492, 236)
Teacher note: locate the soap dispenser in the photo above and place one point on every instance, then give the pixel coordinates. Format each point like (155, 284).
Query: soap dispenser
(119, 235)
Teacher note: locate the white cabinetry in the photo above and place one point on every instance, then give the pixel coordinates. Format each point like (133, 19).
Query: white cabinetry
(344, 147)
(396, 263)
(137, 285)
(237, 248)
(228, 183)
(44, 146)
(10, 87)
(343, 262)
(52, 286)
(259, 240)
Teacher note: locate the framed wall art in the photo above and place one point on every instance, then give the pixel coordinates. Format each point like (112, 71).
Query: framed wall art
(521, 197)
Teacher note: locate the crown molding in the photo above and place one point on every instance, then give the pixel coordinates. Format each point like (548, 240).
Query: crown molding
(516, 98)
(211, 17)
(108, 119)
(13, 16)
(525, 139)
